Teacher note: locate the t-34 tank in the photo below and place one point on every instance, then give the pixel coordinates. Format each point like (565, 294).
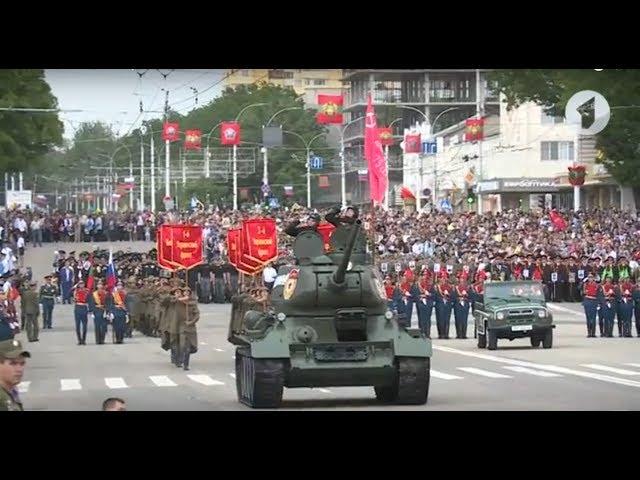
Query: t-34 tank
(328, 324)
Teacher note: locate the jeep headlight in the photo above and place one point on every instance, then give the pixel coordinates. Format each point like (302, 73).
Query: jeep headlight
(542, 313)
(388, 315)
(500, 315)
(281, 317)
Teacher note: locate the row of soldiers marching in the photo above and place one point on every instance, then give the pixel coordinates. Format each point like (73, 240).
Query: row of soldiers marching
(441, 292)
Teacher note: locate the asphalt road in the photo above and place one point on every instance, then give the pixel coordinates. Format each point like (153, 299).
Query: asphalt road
(578, 373)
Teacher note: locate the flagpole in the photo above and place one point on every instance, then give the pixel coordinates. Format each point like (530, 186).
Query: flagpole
(386, 162)
(153, 178)
(479, 116)
(141, 206)
(167, 170)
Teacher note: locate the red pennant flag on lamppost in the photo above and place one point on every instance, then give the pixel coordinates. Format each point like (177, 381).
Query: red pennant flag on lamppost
(330, 109)
(192, 139)
(230, 133)
(170, 131)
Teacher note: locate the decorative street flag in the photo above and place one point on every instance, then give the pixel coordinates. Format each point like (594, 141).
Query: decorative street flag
(330, 109)
(260, 239)
(192, 139)
(386, 135)
(288, 190)
(474, 130)
(375, 156)
(170, 131)
(323, 181)
(230, 133)
(412, 143)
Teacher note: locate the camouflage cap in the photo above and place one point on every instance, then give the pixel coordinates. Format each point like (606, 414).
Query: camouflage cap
(12, 349)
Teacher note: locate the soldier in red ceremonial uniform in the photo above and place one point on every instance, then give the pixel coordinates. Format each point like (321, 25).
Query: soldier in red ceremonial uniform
(590, 302)
(608, 307)
(425, 305)
(81, 311)
(97, 306)
(461, 308)
(625, 308)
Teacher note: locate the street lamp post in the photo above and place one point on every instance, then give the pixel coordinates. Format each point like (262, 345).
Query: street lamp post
(307, 146)
(207, 156)
(235, 157)
(386, 162)
(265, 151)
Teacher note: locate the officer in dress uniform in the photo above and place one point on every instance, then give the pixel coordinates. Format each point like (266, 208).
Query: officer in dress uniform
(48, 293)
(625, 307)
(406, 304)
(461, 308)
(444, 292)
(80, 311)
(425, 305)
(117, 307)
(591, 297)
(97, 305)
(608, 307)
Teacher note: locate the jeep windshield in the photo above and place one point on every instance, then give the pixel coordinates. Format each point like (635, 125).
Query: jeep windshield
(508, 293)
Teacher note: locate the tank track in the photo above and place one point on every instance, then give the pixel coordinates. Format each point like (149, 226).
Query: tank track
(411, 386)
(259, 381)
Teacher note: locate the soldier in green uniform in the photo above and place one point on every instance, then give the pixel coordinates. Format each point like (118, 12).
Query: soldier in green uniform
(133, 306)
(31, 310)
(12, 364)
(187, 328)
(48, 292)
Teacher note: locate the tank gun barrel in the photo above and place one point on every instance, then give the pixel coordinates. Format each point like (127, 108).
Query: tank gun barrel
(338, 276)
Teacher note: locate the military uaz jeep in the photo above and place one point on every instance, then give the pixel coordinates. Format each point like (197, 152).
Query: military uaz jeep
(513, 310)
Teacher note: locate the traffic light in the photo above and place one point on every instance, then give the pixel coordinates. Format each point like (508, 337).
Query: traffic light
(471, 196)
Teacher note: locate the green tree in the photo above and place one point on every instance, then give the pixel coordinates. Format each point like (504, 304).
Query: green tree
(26, 137)
(619, 142)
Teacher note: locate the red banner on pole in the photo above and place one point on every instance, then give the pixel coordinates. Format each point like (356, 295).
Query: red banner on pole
(164, 245)
(385, 135)
(260, 240)
(330, 109)
(170, 131)
(181, 246)
(412, 143)
(474, 129)
(192, 139)
(245, 264)
(230, 133)
(232, 249)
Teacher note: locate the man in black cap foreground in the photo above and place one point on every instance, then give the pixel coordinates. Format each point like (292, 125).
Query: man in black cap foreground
(349, 216)
(294, 228)
(12, 365)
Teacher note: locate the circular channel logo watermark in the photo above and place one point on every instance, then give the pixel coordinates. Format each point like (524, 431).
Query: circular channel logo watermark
(590, 110)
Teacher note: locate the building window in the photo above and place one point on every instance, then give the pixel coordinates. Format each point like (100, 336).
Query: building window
(556, 150)
(550, 119)
(317, 82)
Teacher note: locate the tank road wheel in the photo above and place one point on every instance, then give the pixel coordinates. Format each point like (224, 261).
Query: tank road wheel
(386, 394)
(259, 381)
(411, 385)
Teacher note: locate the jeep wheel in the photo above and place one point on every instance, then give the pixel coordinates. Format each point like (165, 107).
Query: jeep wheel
(535, 341)
(482, 340)
(547, 342)
(492, 341)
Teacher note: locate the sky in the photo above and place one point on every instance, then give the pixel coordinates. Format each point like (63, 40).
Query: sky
(113, 96)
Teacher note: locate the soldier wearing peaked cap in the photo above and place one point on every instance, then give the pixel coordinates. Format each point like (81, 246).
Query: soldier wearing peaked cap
(12, 364)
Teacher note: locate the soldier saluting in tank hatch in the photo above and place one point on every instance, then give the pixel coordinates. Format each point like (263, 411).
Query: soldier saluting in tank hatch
(311, 224)
(349, 216)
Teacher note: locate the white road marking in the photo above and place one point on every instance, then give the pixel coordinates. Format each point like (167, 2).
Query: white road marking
(163, 381)
(444, 376)
(633, 364)
(115, 382)
(538, 366)
(530, 371)
(219, 350)
(23, 387)
(604, 368)
(553, 306)
(483, 373)
(205, 380)
(232, 375)
(70, 384)
(204, 343)
(324, 390)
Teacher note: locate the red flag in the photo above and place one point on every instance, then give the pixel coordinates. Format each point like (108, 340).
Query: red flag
(386, 135)
(558, 220)
(405, 193)
(192, 139)
(474, 129)
(232, 235)
(260, 239)
(412, 143)
(330, 109)
(374, 155)
(170, 131)
(230, 133)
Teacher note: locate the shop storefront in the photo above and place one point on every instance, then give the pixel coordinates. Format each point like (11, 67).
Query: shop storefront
(524, 194)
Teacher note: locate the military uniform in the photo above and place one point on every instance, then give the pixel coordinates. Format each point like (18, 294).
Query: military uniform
(97, 305)
(625, 308)
(461, 310)
(48, 293)
(188, 332)
(80, 312)
(31, 311)
(608, 308)
(9, 398)
(116, 304)
(591, 297)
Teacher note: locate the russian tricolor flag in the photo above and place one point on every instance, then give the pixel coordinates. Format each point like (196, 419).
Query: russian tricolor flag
(111, 273)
